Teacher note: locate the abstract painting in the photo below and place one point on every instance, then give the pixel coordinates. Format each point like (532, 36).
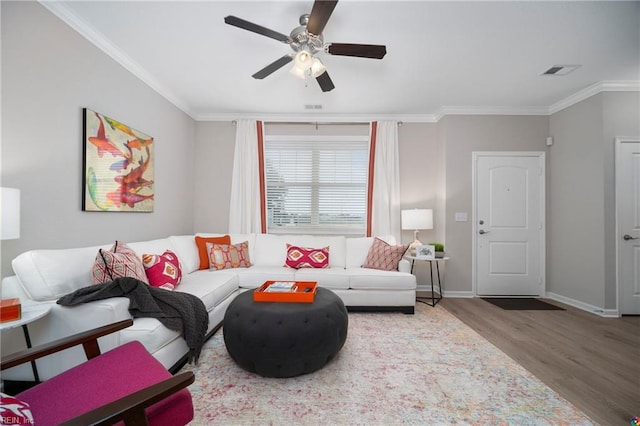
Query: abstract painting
(118, 166)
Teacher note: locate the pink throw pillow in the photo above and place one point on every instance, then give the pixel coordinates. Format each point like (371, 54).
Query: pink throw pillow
(225, 256)
(119, 261)
(163, 270)
(384, 256)
(305, 257)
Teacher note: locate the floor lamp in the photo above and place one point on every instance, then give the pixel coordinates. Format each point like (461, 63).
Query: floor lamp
(415, 220)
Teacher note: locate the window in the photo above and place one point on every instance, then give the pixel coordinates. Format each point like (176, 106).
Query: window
(316, 185)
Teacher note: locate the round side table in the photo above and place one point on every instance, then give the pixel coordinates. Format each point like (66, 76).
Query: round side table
(30, 313)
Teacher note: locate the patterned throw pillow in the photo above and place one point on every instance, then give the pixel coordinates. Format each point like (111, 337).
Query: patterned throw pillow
(225, 256)
(305, 257)
(119, 261)
(384, 256)
(14, 412)
(203, 251)
(163, 270)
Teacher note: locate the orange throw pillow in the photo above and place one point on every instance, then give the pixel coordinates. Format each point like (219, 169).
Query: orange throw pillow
(201, 242)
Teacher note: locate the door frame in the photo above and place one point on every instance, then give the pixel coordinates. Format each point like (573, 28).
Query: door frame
(475, 155)
(618, 141)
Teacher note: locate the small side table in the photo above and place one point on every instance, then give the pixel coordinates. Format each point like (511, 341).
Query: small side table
(30, 313)
(431, 260)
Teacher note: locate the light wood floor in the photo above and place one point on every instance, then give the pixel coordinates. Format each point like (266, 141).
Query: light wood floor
(591, 361)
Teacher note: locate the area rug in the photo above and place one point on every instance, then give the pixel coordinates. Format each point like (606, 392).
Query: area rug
(522, 304)
(428, 368)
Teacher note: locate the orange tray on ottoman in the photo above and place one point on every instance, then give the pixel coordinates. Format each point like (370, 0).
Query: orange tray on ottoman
(301, 295)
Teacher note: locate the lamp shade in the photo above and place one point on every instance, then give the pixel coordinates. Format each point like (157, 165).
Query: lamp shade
(10, 211)
(415, 219)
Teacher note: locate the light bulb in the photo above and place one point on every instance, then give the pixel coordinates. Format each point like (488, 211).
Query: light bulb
(303, 59)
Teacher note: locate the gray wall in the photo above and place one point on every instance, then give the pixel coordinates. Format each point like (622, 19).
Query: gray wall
(49, 73)
(462, 135)
(581, 248)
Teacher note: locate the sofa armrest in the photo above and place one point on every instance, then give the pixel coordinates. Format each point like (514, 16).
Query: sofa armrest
(88, 339)
(404, 266)
(62, 322)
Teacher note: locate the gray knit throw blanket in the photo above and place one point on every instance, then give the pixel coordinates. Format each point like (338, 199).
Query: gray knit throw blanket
(177, 311)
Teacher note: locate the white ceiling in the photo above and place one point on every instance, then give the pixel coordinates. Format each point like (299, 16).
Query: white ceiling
(443, 57)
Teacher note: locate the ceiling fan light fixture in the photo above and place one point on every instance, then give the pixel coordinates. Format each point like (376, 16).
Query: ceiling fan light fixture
(298, 72)
(303, 59)
(317, 67)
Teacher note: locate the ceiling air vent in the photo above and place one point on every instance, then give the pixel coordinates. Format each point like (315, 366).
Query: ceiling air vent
(313, 106)
(560, 69)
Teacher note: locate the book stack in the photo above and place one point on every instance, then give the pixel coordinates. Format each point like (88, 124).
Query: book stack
(282, 287)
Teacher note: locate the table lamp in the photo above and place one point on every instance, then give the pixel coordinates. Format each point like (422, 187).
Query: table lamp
(10, 211)
(416, 219)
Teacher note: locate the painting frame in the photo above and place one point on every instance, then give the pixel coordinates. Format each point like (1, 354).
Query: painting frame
(425, 251)
(117, 166)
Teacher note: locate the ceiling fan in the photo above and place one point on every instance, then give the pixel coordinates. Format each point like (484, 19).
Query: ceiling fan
(306, 41)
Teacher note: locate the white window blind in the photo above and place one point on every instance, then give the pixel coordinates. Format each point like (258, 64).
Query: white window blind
(316, 185)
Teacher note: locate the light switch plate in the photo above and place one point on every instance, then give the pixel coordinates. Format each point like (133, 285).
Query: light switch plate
(461, 216)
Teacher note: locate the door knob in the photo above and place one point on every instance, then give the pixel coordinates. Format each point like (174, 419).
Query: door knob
(482, 232)
(628, 237)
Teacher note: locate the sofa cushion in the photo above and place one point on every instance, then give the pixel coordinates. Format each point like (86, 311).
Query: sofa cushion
(384, 256)
(50, 274)
(212, 287)
(376, 279)
(163, 270)
(307, 257)
(332, 278)
(257, 275)
(271, 250)
(119, 261)
(203, 254)
(150, 332)
(184, 246)
(226, 256)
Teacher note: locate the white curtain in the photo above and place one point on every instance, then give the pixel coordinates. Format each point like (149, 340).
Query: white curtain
(244, 208)
(385, 212)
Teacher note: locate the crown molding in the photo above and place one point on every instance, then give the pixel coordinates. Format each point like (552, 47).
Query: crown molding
(594, 89)
(489, 110)
(304, 118)
(101, 42)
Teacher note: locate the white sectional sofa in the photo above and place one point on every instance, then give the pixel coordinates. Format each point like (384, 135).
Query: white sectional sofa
(43, 276)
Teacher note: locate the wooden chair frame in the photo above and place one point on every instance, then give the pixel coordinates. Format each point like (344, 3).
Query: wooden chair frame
(131, 408)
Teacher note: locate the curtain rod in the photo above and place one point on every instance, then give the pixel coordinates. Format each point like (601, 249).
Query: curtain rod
(320, 123)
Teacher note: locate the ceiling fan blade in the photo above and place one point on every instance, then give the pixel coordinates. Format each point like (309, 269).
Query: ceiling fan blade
(320, 14)
(374, 51)
(274, 66)
(250, 26)
(325, 82)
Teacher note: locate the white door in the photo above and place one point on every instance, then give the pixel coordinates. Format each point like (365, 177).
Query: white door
(509, 224)
(628, 208)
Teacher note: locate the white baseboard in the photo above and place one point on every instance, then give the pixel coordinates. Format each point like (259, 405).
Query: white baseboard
(447, 293)
(459, 294)
(607, 313)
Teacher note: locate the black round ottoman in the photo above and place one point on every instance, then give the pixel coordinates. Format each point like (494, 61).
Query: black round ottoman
(285, 339)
